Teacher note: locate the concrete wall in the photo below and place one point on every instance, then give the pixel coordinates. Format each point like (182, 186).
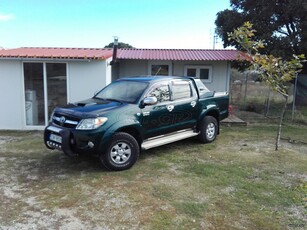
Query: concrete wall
(86, 78)
(220, 71)
(129, 68)
(12, 115)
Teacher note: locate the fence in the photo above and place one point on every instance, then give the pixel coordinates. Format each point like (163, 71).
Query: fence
(254, 96)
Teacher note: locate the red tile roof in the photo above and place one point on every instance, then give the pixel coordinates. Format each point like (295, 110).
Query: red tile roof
(134, 54)
(65, 53)
(178, 54)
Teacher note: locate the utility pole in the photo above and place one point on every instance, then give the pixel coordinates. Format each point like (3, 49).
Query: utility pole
(214, 38)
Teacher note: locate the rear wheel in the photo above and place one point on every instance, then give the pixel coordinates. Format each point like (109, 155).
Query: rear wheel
(122, 152)
(208, 129)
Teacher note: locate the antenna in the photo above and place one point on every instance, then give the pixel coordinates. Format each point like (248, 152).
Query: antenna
(214, 40)
(215, 37)
(158, 71)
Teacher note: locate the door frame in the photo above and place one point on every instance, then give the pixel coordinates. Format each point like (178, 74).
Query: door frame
(40, 127)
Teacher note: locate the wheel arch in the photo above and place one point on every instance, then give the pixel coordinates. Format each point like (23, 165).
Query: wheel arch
(213, 113)
(133, 131)
(131, 127)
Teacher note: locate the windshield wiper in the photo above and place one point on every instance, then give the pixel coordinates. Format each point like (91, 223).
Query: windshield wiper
(112, 99)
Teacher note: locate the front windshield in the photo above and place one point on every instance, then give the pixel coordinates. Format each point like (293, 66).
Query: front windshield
(124, 91)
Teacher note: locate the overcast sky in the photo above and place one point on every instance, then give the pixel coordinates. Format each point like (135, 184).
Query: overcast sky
(186, 24)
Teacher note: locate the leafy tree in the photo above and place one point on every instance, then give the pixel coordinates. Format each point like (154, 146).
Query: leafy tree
(275, 71)
(120, 45)
(279, 23)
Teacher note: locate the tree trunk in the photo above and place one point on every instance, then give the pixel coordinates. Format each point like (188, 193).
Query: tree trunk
(280, 122)
(268, 103)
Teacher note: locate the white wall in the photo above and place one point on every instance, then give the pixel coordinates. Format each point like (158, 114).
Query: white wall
(221, 76)
(11, 95)
(108, 67)
(129, 68)
(86, 78)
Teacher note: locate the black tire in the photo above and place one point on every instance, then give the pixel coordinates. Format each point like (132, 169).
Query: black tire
(122, 153)
(208, 129)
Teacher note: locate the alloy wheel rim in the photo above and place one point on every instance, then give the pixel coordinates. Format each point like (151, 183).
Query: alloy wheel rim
(210, 130)
(120, 153)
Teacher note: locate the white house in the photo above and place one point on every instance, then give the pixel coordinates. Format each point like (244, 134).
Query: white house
(35, 80)
(211, 66)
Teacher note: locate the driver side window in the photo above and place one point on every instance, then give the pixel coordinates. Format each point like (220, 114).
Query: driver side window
(162, 93)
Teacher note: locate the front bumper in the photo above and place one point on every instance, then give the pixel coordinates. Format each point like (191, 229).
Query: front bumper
(72, 142)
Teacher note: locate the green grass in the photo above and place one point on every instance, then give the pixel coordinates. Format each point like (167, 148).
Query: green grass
(237, 182)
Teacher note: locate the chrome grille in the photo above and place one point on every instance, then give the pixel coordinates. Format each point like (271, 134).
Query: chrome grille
(65, 121)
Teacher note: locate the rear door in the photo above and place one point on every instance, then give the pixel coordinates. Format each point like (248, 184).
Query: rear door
(184, 101)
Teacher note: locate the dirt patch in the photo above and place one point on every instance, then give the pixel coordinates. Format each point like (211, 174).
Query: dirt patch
(6, 139)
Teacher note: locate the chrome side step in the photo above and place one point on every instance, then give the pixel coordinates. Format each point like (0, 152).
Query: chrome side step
(168, 138)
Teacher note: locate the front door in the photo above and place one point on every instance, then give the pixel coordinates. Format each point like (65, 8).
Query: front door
(157, 119)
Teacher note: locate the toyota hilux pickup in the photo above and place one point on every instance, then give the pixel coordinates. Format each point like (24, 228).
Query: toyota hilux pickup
(134, 114)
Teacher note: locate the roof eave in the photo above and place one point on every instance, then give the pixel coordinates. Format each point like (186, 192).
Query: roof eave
(47, 59)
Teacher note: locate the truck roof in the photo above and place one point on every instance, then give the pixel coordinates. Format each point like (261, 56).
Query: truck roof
(149, 78)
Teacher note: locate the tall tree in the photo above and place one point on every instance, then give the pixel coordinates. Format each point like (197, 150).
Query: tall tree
(120, 45)
(274, 71)
(281, 24)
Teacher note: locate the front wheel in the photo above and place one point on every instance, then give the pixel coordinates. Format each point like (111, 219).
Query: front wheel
(122, 152)
(208, 129)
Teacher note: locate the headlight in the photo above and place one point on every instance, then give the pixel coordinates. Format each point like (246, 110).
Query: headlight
(91, 123)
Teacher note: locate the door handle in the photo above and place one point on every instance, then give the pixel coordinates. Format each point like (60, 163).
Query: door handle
(170, 108)
(193, 103)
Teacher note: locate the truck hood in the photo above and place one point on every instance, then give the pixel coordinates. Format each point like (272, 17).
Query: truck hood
(90, 108)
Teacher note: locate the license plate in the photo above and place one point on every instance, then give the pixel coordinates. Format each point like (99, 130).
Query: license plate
(55, 138)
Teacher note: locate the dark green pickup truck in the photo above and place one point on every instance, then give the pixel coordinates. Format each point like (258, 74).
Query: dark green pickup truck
(136, 113)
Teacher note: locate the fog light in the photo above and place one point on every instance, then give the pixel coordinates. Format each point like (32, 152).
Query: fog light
(90, 144)
(49, 144)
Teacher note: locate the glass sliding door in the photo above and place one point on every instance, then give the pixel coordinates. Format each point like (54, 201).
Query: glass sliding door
(45, 88)
(56, 85)
(34, 93)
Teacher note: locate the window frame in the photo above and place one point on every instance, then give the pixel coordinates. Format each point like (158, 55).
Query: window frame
(157, 85)
(198, 68)
(153, 63)
(192, 90)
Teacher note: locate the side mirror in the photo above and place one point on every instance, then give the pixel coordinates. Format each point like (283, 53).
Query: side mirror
(150, 101)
